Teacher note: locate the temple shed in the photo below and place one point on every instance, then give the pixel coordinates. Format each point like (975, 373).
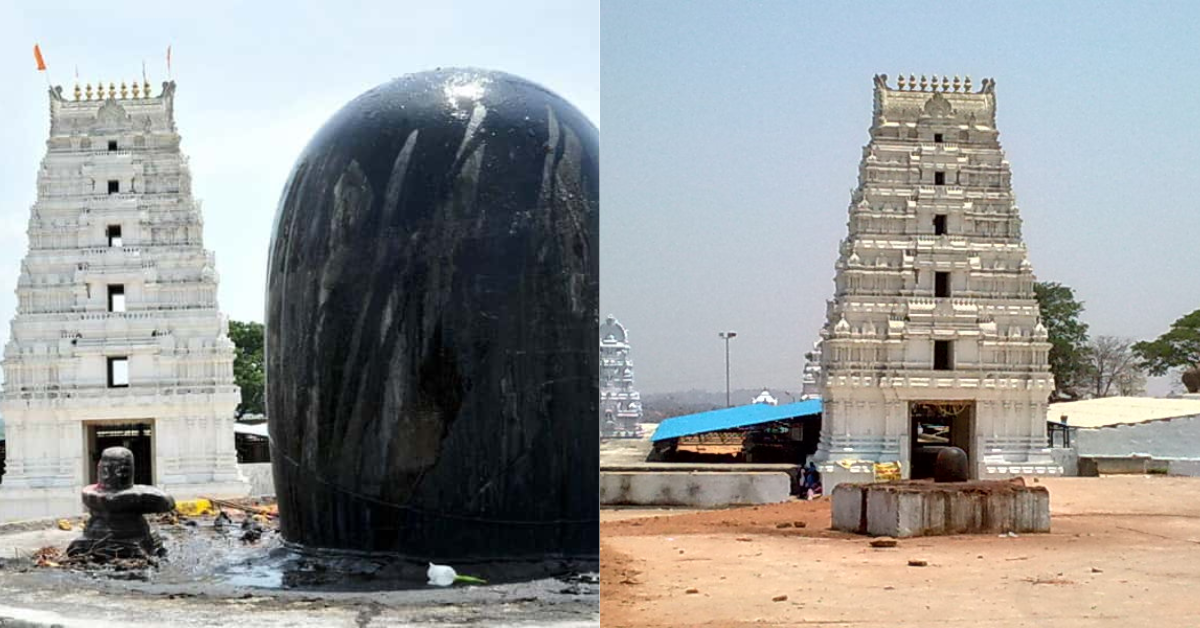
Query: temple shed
(752, 433)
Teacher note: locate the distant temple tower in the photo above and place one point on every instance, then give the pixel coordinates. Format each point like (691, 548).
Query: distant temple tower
(117, 339)
(620, 404)
(811, 387)
(933, 337)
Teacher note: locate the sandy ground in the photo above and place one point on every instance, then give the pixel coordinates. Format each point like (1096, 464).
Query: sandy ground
(1123, 551)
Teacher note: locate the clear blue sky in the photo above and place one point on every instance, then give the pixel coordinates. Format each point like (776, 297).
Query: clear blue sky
(255, 81)
(733, 133)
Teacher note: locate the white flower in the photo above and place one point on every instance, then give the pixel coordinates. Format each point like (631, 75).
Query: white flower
(441, 575)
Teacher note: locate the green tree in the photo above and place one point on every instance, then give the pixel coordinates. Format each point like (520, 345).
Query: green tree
(1178, 348)
(1068, 338)
(248, 369)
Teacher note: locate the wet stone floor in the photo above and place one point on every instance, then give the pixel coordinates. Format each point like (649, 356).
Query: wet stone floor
(214, 576)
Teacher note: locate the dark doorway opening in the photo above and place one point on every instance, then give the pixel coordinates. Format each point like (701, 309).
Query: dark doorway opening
(943, 355)
(936, 425)
(134, 436)
(939, 224)
(941, 284)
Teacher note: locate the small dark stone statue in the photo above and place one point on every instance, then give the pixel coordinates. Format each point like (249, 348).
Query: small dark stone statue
(117, 528)
(952, 465)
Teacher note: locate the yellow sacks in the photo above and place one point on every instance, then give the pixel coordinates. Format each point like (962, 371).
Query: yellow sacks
(195, 507)
(887, 471)
(64, 525)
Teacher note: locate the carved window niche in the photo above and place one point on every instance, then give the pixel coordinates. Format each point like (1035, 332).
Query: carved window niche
(118, 372)
(943, 355)
(116, 297)
(941, 284)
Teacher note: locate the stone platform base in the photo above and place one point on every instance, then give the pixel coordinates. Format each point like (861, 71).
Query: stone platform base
(23, 504)
(695, 489)
(923, 508)
(222, 490)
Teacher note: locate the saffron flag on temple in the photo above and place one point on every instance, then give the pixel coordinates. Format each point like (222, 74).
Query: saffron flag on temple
(37, 55)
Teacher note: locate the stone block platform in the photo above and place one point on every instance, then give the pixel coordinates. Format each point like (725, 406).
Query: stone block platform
(693, 489)
(925, 508)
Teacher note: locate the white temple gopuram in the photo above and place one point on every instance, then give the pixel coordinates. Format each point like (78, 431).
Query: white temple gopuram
(933, 337)
(117, 338)
(620, 404)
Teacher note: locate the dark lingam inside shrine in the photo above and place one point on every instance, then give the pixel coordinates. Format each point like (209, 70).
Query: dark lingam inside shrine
(117, 507)
(952, 465)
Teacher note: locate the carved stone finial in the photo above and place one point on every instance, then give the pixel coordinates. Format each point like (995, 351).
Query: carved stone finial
(945, 83)
(124, 90)
(136, 89)
(146, 89)
(957, 83)
(912, 82)
(77, 91)
(88, 92)
(967, 84)
(901, 82)
(924, 83)
(112, 90)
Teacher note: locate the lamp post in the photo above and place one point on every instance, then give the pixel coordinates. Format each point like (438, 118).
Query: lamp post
(726, 335)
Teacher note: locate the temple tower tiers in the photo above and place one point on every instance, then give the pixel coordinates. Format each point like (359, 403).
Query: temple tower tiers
(933, 337)
(620, 404)
(117, 338)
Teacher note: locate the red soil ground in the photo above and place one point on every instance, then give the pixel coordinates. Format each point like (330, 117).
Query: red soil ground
(1123, 551)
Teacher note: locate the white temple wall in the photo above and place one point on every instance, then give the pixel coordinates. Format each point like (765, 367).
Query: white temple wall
(56, 362)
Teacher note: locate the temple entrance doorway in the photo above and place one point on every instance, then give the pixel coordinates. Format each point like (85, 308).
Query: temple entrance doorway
(935, 425)
(136, 436)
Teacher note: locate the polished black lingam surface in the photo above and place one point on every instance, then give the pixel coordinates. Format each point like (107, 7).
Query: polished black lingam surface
(431, 325)
(117, 526)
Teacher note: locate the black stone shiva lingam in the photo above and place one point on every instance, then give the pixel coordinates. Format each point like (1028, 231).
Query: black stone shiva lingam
(117, 528)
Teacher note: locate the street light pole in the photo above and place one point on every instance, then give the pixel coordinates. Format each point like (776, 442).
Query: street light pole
(726, 335)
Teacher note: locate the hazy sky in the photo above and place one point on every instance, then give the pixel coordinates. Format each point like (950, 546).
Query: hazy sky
(255, 81)
(733, 133)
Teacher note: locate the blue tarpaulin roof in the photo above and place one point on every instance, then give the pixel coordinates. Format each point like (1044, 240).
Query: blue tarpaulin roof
(730, 418)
